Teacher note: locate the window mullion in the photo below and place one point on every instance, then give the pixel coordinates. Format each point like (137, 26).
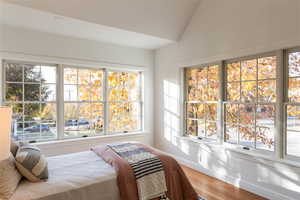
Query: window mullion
(106, 106)
(279, 126)
(60, 102)
(220, 108)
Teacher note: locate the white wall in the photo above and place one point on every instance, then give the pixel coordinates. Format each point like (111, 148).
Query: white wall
(221, 30)
(28, 45)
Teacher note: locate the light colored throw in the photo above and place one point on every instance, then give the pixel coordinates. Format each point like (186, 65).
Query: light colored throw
(9, 178)
(147, 168)
(31, 163)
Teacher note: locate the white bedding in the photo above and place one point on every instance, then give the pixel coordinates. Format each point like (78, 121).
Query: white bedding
(79, 176)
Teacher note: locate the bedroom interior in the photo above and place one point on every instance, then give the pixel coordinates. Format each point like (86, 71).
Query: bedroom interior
(149, 100)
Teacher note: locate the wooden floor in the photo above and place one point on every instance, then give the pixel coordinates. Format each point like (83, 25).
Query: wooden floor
(213, 189)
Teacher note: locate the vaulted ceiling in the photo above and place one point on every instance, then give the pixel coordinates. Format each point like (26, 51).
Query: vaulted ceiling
(156, 21)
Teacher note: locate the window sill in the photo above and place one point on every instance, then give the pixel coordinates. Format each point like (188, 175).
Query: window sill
(92, 138)
(267, 158)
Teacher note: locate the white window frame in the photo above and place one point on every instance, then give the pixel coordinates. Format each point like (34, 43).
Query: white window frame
(286, 102)
(219, 120)
(60, 95)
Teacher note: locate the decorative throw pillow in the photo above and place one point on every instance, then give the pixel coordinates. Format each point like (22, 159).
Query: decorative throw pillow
(9, 177)
(31, 163)
(14, 146)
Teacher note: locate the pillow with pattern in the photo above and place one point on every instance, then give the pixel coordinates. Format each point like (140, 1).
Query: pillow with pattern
(31, 163)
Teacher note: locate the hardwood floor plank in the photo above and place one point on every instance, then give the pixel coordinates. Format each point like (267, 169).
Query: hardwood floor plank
(214, 189)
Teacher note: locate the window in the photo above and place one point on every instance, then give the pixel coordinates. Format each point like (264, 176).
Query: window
(250, 102)
(202, 87)
(30, 89)
(293, 104)
(56, 102)
(83, 102)
(124, 101)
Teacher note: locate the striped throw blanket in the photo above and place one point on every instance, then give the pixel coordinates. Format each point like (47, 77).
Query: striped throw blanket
(147, 168)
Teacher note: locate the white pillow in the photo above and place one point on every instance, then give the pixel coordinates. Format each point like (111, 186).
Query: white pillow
(9, 177)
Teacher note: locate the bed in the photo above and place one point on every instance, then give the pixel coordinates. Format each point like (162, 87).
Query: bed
(78, 176)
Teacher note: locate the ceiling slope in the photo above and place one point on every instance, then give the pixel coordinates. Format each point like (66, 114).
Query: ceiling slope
(165, 19)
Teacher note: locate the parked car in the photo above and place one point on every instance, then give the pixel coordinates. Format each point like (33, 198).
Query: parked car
(37, 128)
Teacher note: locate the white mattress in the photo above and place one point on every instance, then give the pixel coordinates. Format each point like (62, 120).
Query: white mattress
(79, 176)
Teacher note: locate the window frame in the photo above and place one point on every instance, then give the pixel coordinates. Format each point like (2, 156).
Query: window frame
(218, 102)
(256, 102)
(23, 102)
(286, 102)
(278, 153)
(60, 96)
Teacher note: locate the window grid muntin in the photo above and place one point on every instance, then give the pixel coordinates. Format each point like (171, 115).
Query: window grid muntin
(23, 102)
(256, 101)
(205, 102)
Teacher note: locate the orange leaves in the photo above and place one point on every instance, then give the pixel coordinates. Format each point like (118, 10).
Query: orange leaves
(203, 83)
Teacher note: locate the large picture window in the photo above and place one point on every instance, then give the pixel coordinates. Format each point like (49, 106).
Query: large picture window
(202, 94)
(250, 102)
(293, 104)
(56, 101)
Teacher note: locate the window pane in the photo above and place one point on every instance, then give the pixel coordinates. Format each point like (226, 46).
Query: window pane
(265, 138)
(48, 74)
(32, 73)
(96, 93)
(233, 91)
(265, 115)
(212, 91)
(70, 76)
(211, 130)
(84, 76)
(48, 130)
(196, 128)
(212, 74)
(248, 91)
(32, 112)
(96, 119)
(232, 113)
(294, 64)
(247, 136)
(211, 110)
(48, 92)
(124, 117)
(294, 89)
(17, 131)
(248, 69)
(84, 93)
(293, 130)
(267, 67)
(14, 72)
(32, 130)
(247, 114)
(267, 91)
(233, 71)
(31, 92)
(70, 93)
(48, 112)
(14, 92)
(196, 110)
(232, 133)
(71, 119)
(97, 77)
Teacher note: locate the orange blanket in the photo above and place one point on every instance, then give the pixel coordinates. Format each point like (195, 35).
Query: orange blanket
(179, 188)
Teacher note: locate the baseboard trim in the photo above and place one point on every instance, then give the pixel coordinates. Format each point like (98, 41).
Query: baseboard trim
(243, 184)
